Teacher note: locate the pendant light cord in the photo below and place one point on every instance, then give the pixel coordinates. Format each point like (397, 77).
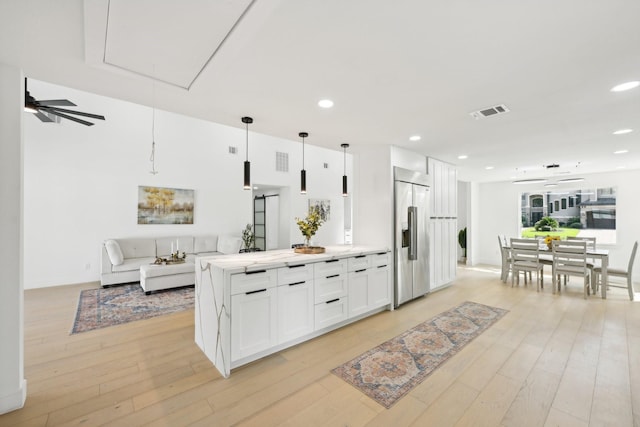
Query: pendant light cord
(247, 134)
(303, 152)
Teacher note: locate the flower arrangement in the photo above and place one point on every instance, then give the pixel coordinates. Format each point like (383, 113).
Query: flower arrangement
(248, 236)
(549, 239)
(310, 224)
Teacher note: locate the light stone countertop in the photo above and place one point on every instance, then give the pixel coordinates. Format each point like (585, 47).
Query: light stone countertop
(252, 261)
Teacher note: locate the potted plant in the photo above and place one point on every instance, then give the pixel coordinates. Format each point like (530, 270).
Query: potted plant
(462, 241)
(248, 238)
(309, 226)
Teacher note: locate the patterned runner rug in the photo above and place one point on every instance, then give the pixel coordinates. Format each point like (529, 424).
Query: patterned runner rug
(390, 370)
(99, 308)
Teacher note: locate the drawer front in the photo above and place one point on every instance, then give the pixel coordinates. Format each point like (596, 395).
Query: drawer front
(330, 312)
(378, 260)
(254, 281)
(361, 262)
(328, 288)
(295, 274)
(329, 268)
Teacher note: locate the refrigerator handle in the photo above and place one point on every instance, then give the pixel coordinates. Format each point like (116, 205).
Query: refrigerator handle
(413, 230)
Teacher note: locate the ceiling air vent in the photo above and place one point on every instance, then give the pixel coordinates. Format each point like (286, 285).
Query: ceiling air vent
(490, 111)
(233, 150)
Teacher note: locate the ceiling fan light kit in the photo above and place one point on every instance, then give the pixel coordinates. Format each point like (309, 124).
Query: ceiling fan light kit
(51, 106)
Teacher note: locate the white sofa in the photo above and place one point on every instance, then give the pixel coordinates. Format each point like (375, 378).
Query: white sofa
(130, 259)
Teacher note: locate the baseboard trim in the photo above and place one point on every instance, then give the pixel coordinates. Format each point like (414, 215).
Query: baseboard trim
(15, 400)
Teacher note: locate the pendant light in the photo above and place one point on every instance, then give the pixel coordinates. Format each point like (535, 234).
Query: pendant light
(344, 177)
(303, 173)
(247, 164)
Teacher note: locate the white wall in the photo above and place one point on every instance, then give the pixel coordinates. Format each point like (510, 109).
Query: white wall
(81, 182)
(13, 386)
(498, 212)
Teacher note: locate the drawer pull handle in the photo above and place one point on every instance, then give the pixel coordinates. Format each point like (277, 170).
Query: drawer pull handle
(296, 266)
(255, 292)
(332, 260)
(297, 283)
(332, 276)
(256, 272)
(360, 271)
(360, 256)
(382, 266)
(333, 300)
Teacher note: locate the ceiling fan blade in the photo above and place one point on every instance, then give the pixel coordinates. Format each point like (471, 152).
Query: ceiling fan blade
(66, 116)
(52, 102)
(42, 117)
(77, 113)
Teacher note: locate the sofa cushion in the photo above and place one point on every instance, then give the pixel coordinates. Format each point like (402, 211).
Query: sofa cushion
(115, 253)
(205, 244)
(130, 264)
(163, 246)
(138, 248)
(229, 244)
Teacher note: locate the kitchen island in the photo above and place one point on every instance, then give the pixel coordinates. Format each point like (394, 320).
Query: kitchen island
(254, 304)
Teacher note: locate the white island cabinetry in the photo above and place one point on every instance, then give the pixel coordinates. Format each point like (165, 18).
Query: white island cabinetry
(251, 305)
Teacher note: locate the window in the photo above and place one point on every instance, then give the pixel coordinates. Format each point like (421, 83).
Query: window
(572, 202)
(550, 208)
(564, 203)
(556, 205)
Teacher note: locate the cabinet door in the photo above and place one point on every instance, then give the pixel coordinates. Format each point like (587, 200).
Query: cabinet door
(358, 292)
(254, 323)
(378, 286)
(295, 311)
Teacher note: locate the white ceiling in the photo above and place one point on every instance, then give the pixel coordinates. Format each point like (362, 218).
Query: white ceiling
(393, 69)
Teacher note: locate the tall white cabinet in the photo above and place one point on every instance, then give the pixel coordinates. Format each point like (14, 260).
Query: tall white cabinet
(443, 223)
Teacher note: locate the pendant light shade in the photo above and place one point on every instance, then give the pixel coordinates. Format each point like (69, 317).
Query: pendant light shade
(303, 172)
(247, 164)
(344, 177)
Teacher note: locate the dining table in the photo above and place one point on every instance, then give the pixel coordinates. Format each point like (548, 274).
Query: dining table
(601, 254)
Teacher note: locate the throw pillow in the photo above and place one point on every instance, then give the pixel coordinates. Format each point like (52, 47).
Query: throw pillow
(114, 252)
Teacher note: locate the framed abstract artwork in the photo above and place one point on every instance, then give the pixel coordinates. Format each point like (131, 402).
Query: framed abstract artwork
(160, 205)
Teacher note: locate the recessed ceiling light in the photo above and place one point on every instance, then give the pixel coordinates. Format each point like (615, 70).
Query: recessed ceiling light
(621, 167)
(325, 103)
(566, 180)
(620, 151)
(530, 181)
(415, 138)
(622, 131)
(625, 86)
(463, 156)
(489, 168)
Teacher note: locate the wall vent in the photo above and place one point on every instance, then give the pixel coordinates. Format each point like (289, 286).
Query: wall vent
(326, 165)
(282, 162)
(233, 150)
(490, 111)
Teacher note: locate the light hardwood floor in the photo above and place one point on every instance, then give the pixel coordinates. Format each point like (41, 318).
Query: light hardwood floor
(553, 360)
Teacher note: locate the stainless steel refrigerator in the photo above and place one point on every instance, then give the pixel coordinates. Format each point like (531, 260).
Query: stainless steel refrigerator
(411, 243)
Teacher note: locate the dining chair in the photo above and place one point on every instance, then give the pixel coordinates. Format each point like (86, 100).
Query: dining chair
(525, 254)
(570, 259)
(506, 258)
(592, 263)
(618, 272)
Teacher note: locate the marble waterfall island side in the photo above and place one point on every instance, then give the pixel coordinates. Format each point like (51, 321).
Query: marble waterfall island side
(254, 304)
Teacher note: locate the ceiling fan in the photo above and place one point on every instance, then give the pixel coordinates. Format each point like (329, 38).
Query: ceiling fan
(50, 106)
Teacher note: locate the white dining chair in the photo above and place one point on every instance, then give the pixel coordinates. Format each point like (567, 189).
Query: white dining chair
(506, 258)
(570, 259)
(618, 272)
(525, 254)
